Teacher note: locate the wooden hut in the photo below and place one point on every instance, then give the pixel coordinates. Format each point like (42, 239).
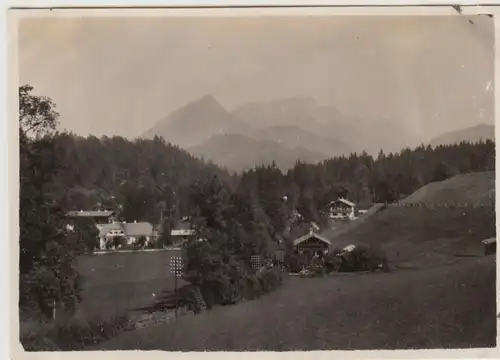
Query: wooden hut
(311, 245)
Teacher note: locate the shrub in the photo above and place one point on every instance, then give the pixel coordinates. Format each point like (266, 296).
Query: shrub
(271, 279)
(363, 258)
(293, 262)
(333, 261)
(75, 335)
(253, 287)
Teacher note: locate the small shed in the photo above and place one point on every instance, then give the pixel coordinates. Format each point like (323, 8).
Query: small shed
(490, 246)
(311, 245)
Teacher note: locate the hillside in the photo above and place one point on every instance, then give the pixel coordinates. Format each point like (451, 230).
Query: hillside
(472, 189)
(238, 152)
(293, 137)
(423, 234)
(108, 172)
(422, 237)
(326, 121)
(197, 122)
(472, 134)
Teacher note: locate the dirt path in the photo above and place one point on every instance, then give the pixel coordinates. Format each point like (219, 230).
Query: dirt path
(447, 307)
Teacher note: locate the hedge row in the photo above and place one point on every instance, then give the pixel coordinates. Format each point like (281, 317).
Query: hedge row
(225, 290)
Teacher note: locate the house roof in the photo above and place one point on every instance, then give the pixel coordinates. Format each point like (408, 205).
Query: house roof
(138, 229)
(181, 232)
(129, 229)
(342, 200)
(311, 235)
(98, 213)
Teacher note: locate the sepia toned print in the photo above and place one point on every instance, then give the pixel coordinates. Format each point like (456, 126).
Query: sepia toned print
(265, 183)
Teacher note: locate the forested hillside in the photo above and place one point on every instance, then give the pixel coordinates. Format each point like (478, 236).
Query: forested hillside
(145, 177)
(140, 178)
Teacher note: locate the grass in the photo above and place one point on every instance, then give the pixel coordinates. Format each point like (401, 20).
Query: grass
(444, 307)
(121, 283)
(424, 236)
(473, 188)
(115, 286)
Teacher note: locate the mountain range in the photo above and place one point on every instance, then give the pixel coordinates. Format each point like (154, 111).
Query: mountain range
(284, 131)
(470, 134)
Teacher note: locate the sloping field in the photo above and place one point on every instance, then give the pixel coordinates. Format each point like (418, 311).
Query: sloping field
(424, 236)
(118, 283)
(446, 307)
(473, 189)
(342, 227)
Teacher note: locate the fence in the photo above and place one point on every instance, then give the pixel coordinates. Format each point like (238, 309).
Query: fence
(447, 205)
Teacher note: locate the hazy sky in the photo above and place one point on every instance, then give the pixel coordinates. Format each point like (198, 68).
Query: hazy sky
(121, 75)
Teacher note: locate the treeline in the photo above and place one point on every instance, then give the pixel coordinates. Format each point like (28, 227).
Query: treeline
(145, 179)
(362, 178)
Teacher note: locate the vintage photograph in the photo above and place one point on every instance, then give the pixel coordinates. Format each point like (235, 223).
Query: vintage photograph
(256, 183)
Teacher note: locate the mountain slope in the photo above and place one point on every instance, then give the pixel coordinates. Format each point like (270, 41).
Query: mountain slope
(196, 122)
(326, 121)
(239, 152)
(470, 134)
(293, 137)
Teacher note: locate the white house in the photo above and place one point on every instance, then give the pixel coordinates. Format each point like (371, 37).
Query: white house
(341, 209)
(131, 232)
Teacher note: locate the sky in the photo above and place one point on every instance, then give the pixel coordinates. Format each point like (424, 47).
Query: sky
(119, 76)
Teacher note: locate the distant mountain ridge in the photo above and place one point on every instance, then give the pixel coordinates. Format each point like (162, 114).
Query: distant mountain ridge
(242, 139)
(470, 134)
(196, 122)
(326, 121)
(293, 137)
(285, 130)
(238, 153)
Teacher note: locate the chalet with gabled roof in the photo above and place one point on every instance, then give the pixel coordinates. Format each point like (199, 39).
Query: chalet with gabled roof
(341, 209)
(311, 245)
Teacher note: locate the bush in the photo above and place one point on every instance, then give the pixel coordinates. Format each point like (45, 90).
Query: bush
(271, 279)
(226, 290)
(75, 335)
(253, 287)
(293, 262)
(362, 258)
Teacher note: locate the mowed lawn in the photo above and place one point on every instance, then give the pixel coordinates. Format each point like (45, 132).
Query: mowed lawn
(121, 282)
(442, 307)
